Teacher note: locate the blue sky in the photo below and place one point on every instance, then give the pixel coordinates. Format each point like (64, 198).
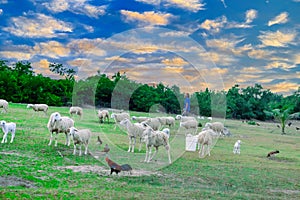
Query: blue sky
(191, 43)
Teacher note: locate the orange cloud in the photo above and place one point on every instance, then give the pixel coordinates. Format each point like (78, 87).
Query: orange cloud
(149, 17)
(174, 62)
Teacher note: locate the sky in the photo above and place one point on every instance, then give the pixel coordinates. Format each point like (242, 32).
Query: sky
(195, 44)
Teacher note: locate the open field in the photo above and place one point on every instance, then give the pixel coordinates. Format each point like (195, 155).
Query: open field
(30, 169)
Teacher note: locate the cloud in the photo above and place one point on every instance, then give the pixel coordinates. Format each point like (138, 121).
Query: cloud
(147, 18)
(1, 11)
(151, 2)
(78, 62)
(250, 15)
(37, 26)
(214, 26)
(118, 59)
(16, 55)
(297, 59)
(284, 87)
(279, 19)
(87, 46)
(218, 58)
(281, 65)
(52, 49)
(251, 70)
(228, 45)
(259, 54)
(80, 7)
(42, 67)
(191, 5)
(277, 39)
(175, 62)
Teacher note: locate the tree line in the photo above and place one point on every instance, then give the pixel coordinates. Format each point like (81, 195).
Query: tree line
(19, 83)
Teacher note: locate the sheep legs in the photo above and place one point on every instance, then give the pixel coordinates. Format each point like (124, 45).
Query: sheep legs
(12, 137)
(4, 140)
(148, 153)
(132, 142)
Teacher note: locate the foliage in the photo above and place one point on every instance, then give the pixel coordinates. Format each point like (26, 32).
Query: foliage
(19, 83)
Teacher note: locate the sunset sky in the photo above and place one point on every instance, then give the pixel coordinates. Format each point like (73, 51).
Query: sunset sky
(190, 43)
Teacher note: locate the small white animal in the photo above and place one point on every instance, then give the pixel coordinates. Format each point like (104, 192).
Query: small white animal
(237, 147)
(6, 128)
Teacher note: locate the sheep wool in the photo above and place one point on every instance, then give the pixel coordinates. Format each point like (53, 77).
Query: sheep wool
(59, 124)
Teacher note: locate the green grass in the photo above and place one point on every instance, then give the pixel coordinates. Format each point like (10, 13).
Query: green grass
(221, 176)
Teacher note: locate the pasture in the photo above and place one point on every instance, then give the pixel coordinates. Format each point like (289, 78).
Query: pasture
(30, 169)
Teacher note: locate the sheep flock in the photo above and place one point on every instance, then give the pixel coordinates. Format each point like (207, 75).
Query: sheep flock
(150, 132)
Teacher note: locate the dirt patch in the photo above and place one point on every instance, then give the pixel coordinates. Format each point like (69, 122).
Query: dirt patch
(285, 191)
(7, 181)
(105, 171)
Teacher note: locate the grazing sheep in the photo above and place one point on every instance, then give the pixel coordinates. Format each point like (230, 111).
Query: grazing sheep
(155, 139)
(77, 111)
(237, 147)
(80, 137)
(167, 121)
(154, 123)
(189, 124)
(205, 137)
(209, 118)
(134, 131)
(4, 105)
(6, 128)
(184, 118)
(118, 117)
(139, 119)
(102, 115)
(59, 124)
(38, 107)
(217, 127)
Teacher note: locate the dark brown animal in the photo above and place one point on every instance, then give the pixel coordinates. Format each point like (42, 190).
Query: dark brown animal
(114, 167)
(272, 153)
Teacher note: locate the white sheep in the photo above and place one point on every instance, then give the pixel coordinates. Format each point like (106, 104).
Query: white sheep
(154, 123)
(167, 121)
(237, 147)
(118, 117)
(139, 119)
(59, 124)
(205, 138)
(155, 139)
(6, 128)
(134, 131)
(102, 115)
(76, 110)
(217, 127)
(38, 107)
(184, 118)
(209, 118)
(80, 137)
(4, 105)
(189, 125)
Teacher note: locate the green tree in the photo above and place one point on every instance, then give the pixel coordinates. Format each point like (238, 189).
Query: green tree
(66, 72)
(283, 115)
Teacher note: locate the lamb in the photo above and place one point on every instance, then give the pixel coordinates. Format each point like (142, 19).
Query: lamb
(170, 121)
(6, 128)
(217, 127)
(102, 115)
(59, 124)
(154, 123)
(134, 131)
(184, 118)
(139, 119)
(118, 117)
(237, 147)
(76, 110)
(38, 107)
(156, 139)
(205, 138)
(80, 137)
(4, 105)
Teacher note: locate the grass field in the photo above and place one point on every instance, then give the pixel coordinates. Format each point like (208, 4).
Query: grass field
(30, 169)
